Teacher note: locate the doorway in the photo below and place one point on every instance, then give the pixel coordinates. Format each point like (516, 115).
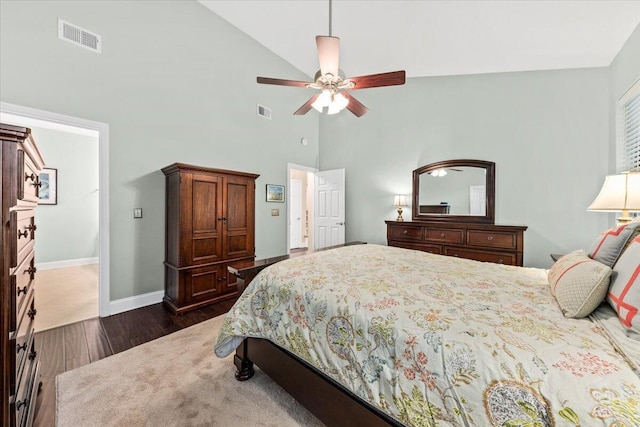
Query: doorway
(300, 208)
(49, 121)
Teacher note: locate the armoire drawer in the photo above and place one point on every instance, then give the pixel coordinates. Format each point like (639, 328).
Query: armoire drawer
(399, 232)
(27, 393)
(23, 232)
(21, 284)
(21, 341)
(444, 235)
(492, 239)
(497, 257)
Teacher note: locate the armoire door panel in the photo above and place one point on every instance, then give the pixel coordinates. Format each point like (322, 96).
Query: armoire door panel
(205, 205)
(237, 215)
(205, 249)
(204, 283)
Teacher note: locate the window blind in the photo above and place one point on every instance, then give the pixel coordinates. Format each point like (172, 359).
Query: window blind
(631, 133)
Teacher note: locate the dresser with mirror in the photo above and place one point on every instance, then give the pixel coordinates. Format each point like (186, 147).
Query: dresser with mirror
(453, 214)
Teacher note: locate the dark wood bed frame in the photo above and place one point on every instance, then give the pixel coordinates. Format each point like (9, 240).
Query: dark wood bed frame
(328, 400)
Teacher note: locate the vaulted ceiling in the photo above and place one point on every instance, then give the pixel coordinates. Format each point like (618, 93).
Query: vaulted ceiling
(434, 38)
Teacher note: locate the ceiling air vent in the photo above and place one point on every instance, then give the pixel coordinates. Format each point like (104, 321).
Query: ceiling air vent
(79, 36)
(264, 112)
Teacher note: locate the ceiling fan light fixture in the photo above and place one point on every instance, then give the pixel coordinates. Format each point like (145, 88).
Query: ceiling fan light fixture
(334, 102)
(338, 104)
(438, 173)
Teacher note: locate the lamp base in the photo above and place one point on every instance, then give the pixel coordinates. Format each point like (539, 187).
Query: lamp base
(399, 215)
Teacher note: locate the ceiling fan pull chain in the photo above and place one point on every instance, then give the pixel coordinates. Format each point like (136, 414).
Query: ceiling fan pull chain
(330, 15)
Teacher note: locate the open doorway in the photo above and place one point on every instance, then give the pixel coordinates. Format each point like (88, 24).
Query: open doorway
(76, 150)
(300, 208)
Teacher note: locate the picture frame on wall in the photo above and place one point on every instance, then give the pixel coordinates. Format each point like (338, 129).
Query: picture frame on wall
(48, 191)
(275, 193)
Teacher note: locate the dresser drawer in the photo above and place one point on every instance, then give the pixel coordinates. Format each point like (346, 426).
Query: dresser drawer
(23, 232)
(492, 239)
(444, 235)
(400, 232)
(497, 257)
(432, 249)
(23, 336)
(27, 392)
(21, 285)
(28, 180)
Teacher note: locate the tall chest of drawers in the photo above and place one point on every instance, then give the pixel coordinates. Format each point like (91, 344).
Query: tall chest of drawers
(502, 244)
(20, 184)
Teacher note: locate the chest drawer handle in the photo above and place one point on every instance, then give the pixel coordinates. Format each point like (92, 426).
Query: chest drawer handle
(405, 232)
(31, 227)
(489, 238)
(24, 233)
(441, 234)
(21, 403)
(21, 347)
(500, 261)
(31, 177)
(30, 270)
(32, 313)
(22, 290)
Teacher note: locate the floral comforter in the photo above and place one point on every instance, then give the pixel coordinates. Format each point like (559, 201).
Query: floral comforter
(434, 340)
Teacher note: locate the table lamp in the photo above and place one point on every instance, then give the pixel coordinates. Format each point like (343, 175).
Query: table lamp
(619, 193)
(400, 200)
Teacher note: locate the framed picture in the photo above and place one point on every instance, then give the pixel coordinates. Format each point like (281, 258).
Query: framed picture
(48, 187)
(275, 193)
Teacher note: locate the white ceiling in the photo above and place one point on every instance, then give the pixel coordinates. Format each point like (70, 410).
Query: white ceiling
(435, 38)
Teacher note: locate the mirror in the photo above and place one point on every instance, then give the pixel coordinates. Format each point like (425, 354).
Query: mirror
(455, 190)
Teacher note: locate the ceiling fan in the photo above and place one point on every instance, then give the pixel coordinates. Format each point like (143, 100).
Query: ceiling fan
(331, 81)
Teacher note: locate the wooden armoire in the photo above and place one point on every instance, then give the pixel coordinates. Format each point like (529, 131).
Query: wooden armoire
(20, 185)
(210, 225)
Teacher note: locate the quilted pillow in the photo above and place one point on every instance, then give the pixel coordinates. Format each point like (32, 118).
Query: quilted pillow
(579, 283)
(624, 294)
(608, 247)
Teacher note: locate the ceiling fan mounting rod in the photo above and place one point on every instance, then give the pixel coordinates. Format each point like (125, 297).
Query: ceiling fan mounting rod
(330, 15)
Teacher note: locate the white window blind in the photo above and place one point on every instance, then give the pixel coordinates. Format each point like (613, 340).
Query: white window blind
(630, 129)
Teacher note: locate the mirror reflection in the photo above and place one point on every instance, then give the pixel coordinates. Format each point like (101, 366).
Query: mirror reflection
(457, 190)
(454, 190)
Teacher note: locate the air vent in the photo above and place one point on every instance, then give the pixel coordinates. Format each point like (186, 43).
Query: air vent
(79, 36)
(264, 112)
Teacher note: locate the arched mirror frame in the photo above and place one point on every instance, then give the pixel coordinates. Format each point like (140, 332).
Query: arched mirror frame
(489, 167)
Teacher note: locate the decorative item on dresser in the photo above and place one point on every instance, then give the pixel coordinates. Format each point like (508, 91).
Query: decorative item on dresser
(210, 225)
(464, 226)
(21, 165)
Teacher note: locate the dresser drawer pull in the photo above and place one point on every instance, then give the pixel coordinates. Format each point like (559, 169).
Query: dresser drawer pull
(30, 270)
(21, 347)
(31, 177)
(405, 232)
(31, 227)
(489, 238)
(32, 313)
(24, 233)
(500, 261)
(21, 403)
(22, 290)
(441, 234)
(33, 355)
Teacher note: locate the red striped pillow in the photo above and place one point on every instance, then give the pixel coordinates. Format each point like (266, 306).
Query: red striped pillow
(610, 244)
(624, 293)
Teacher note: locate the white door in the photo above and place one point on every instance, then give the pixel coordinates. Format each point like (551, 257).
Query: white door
(329, 208)
(295, 213)
(477, 200)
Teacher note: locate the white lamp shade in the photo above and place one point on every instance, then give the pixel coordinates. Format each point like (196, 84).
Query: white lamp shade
(400, 200)
(619, 193)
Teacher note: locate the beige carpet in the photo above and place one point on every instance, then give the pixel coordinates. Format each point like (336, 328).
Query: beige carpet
(66, 295)
(175, 380)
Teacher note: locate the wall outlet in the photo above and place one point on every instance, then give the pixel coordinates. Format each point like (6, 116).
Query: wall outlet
(275, 212)
(137, 212)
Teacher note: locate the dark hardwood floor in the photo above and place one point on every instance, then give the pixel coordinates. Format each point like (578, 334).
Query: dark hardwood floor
(71, 346)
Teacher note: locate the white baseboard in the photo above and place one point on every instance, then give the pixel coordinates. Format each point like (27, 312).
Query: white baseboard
(138, 301)
(66, 263)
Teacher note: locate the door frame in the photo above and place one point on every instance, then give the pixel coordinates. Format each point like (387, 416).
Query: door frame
(298, 167)
(103, 169)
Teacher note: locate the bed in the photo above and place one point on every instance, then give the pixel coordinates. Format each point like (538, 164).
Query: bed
(390, 336)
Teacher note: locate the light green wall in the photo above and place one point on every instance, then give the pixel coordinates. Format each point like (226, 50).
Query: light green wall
(69, 230)
(175, 83)
(546, 131)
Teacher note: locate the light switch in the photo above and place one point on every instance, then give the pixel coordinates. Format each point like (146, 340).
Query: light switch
(275, 212)
(137, 212)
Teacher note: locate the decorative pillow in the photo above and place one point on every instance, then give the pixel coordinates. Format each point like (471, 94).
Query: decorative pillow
(579, 283)
(624, 294)
(608, 247)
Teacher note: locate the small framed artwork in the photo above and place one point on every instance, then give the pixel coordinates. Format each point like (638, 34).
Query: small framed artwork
(48, 186)
(275, 193)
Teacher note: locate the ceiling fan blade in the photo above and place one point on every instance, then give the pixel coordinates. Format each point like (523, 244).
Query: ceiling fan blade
(328, 54)
(307, 106)
(355, 106)
(377, 80)
(281, 82)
